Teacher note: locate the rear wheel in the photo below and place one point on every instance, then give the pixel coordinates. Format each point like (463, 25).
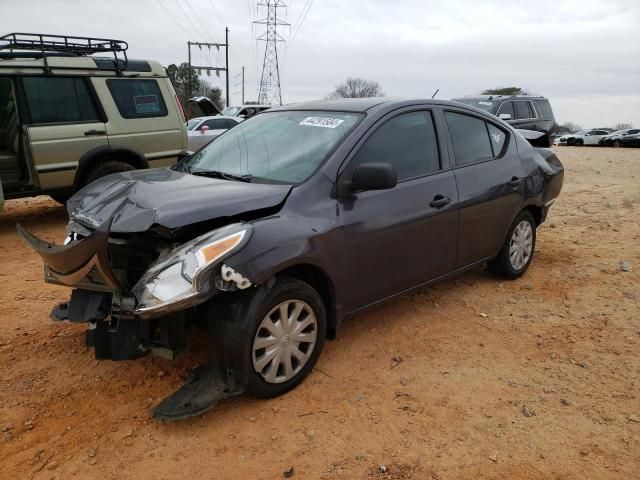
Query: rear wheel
(106, 168)
(616, 143)
(579, 143)
(517, 251)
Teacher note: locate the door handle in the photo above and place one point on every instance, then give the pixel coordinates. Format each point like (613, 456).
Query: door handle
(439, 201)
(515, 181)
(94, 132)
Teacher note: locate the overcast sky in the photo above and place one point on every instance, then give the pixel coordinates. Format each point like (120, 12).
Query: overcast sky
(583, 55)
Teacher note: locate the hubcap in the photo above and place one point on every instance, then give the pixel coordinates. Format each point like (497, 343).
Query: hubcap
(521, 245)
(284, 341)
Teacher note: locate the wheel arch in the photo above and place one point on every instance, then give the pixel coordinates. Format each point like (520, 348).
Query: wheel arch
(105, 153)
(322, 283)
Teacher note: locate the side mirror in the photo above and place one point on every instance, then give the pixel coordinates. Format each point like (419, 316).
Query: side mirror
(204, 129)
(369, 176)
(505, 116)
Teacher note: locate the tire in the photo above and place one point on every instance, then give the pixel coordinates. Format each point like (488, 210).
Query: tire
(617, 144)
(286, 289)
(579, 143)
(106, 168)
(504, 265)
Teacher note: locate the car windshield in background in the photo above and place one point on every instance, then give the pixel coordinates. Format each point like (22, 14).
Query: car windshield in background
(485, 105)
(193, 123)
(282, 147)
(230, 111)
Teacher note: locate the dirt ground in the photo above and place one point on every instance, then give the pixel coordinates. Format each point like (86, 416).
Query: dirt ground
(472, 378)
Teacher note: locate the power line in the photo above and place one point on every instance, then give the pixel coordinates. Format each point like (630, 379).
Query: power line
(173, 18)
(300, 25)
(204, 29)
(195, 29)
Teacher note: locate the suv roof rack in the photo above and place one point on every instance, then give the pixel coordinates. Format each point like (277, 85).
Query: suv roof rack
(45, 45)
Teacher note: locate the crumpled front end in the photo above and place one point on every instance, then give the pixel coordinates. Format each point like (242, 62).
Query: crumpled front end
(138, 291)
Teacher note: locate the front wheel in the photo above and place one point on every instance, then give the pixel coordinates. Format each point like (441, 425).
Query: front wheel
(617, 144)
(517, 251)
(289, 328)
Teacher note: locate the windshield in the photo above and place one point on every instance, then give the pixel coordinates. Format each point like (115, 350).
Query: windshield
(485, 105)
(282, 147)
(193, 123)
(230, 111)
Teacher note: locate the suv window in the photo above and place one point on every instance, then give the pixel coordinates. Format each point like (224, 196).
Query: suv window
(507, 107)
(497, 138)
(406, 142)
(545, 108)
(137, 98)
(59, 100)
(523, 110)
(470, 138)
(632, 132)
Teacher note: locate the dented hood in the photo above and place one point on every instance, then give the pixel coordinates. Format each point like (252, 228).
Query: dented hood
(136, 200)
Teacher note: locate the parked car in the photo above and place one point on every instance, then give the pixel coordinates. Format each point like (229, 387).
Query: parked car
(245, 111)
(520, 111)
(615, 139)
(202, 130)
(68, 118)
(631, 140)
(589, 137)
(288, 224)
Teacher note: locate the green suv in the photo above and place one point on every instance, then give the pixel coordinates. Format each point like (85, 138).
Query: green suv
(73, 109)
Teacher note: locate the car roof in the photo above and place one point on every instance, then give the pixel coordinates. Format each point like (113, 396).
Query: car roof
(362, 105)
(501, 97)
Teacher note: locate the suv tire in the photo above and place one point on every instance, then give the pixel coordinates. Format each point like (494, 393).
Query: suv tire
(106, 168)
(517, 251)
(579, 143)
(287, 295)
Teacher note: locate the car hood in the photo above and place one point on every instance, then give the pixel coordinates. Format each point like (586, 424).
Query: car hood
(134, 201)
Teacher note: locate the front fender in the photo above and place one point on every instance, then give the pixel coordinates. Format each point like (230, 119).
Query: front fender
(280, 242)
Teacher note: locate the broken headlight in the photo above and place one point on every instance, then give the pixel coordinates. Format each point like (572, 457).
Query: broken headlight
(183, 277)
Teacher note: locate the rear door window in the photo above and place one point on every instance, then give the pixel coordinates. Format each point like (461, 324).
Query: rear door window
(498, 139)
(59, 100)
(470, 138)
(137, 98)
(507, 107)
(523, 110)
(406, 142)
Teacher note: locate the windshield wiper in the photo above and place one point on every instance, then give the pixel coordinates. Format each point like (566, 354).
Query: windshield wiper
(222, 175)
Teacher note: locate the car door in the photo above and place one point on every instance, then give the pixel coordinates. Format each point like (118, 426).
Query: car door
(398, 238)
(64, 122)
(489, 176)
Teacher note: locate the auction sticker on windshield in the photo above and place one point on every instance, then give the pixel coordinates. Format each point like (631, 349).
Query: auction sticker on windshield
(323, 122)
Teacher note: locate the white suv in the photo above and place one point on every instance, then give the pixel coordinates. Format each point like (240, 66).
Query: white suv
(589, 137)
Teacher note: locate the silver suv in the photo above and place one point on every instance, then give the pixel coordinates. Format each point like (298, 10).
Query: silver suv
(68, 117)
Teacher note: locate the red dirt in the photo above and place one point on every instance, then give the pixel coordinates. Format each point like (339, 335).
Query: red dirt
(431, 385)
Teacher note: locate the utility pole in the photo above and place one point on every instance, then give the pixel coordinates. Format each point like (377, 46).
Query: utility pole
(243, 85)
(209, 68)
(270, 91)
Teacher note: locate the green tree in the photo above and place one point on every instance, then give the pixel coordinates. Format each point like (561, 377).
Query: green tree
(505, 91)
(179, 75)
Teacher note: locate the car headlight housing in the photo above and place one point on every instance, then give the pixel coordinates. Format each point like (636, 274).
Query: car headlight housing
(183, 277)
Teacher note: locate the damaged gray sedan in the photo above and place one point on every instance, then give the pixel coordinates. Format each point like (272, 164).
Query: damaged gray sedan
(278, 230)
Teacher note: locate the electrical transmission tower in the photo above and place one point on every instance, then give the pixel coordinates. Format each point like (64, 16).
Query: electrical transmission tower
(270, 92)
